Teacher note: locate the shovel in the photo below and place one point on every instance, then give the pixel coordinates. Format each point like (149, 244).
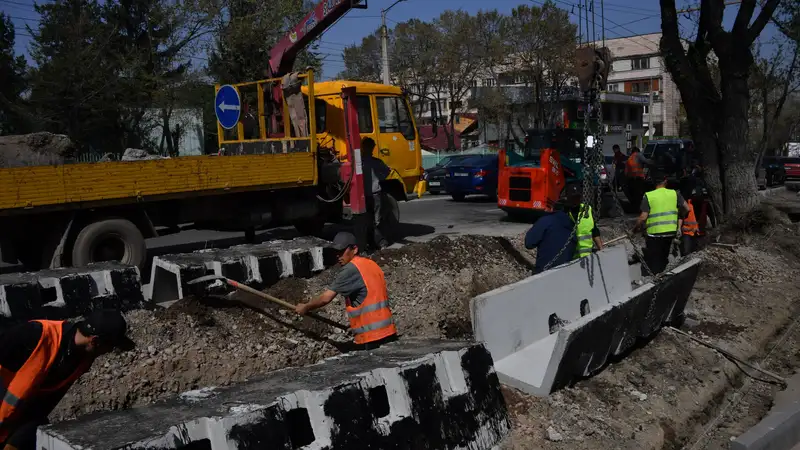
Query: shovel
(283, 303)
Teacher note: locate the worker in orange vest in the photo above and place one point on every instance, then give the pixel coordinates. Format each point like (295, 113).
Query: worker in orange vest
(634, 176)
(362, 284)
(40, 360)
(690, 231)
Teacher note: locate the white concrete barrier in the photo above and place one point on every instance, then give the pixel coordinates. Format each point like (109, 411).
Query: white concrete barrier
(547, 330)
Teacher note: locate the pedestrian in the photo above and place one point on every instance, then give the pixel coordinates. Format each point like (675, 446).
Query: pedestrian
(588, 234)
(362, 284)
(690, 231)
(619, 167)
(39, 362)
(634, 176)
(660, 211)
(375, 171)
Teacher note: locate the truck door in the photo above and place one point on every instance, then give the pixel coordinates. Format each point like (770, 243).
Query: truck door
(397, 137)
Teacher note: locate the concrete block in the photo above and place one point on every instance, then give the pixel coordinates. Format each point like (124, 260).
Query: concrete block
(257, 265)
(780, 429)
(539, 360)
(407, 395)
(514, 316)
(70, 292)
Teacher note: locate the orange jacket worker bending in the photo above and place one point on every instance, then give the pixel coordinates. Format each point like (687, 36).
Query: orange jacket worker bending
(362, 284)
(40, 360)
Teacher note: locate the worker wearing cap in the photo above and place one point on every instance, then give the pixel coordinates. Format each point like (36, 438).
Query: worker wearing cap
(361, 282)
(587, 233)
(661, 209)
(40, 360)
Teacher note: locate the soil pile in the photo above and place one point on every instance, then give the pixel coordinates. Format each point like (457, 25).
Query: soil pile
(206, 342)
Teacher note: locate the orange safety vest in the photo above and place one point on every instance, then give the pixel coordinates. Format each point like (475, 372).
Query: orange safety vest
(371, 320)
(24, 384)
(690, 226)
(632, 167)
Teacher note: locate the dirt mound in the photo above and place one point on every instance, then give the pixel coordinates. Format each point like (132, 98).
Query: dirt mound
(208, 342)
(35, 149)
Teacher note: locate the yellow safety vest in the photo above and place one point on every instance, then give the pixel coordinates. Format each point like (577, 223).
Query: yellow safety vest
(584, 233)
(663, 217)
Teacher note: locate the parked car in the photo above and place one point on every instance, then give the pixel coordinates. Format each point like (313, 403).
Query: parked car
(791, 166)
(435, 175)
(476, 174)
(775, 172)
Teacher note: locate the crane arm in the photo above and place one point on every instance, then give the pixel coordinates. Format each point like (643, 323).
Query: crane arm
(324, 14)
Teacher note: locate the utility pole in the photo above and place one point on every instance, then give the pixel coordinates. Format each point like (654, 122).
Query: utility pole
(385, 44)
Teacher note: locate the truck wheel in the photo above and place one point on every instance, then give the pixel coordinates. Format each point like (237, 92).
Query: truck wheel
(109, 240)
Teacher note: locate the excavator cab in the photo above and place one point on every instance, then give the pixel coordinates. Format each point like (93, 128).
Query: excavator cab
(532, 181)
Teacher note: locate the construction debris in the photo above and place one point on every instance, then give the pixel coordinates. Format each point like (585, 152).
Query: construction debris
(35, 149)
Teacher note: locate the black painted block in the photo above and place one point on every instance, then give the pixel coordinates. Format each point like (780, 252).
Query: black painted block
(444, 395)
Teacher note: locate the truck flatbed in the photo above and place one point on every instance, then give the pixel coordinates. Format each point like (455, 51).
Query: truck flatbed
(83, 185)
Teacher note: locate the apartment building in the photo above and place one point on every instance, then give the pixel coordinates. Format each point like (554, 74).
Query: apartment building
(637, 68)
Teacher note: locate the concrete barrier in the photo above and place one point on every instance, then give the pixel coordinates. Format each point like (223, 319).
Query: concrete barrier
(547, 330)
(780, 429)
(257, 265)
(70, 292)
(407, 395)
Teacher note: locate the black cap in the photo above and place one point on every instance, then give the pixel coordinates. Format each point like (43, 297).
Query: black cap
(658, 175)
(344, 240)
(110, 326)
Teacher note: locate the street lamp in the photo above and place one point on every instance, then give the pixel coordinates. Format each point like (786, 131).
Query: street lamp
(385, 43)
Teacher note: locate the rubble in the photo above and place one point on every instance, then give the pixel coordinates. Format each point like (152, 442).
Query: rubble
(213, 343)
(35, 149)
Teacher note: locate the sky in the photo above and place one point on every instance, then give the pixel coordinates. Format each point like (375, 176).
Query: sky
(622, 18)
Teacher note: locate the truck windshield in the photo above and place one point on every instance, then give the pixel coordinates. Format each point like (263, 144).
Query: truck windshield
(567, 142)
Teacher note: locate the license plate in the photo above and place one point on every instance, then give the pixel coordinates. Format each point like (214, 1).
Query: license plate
(434, 183)
(461, 174)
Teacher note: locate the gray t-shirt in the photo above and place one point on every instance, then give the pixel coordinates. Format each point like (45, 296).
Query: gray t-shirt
(350, 284)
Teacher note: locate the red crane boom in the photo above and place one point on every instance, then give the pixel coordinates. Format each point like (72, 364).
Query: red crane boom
(325, 14)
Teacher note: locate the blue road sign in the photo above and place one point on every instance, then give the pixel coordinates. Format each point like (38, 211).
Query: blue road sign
(227, 106)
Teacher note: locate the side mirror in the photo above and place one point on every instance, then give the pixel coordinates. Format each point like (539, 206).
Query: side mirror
(435, 118)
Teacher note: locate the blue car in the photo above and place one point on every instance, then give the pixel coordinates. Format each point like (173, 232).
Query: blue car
(473, 175)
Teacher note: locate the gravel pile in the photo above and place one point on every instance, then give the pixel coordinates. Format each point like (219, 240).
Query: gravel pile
(207, 342)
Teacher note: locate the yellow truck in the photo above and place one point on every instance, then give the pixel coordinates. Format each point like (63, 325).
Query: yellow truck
(80, 213)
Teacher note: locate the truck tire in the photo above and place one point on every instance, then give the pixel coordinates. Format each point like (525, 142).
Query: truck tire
(109, 240)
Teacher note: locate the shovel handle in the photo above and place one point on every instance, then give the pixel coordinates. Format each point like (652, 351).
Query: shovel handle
(283, 303)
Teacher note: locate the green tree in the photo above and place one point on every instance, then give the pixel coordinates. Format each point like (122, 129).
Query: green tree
(74, 86)
(245, 33)
(719, 114)
(12, 80)
(363, 62)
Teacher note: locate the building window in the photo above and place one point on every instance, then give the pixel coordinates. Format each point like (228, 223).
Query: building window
(646, 109)
(640, 63)
(490, 82)
(613, 88)
(473, 83)
(640, 87)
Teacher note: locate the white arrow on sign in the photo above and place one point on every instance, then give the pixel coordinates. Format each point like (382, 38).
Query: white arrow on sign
(223, 107)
